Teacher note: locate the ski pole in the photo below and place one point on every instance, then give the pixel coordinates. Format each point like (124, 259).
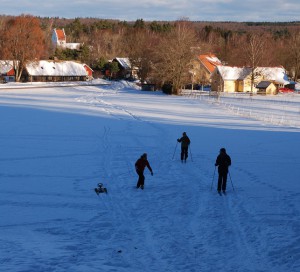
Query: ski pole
(231, 180)
(213, 178)
(191, 153)
(175, 150)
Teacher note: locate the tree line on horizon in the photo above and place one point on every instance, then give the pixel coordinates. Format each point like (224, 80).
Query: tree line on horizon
(163, 51)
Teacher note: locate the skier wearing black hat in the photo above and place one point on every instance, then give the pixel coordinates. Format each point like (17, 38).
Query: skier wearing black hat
(223, 161)
(185, 142)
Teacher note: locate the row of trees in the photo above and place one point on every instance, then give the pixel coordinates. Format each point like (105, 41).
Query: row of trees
(163, 51)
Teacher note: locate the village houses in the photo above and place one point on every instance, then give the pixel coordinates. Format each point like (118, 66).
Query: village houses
(49, 70)
(230, 79)
(206, 69)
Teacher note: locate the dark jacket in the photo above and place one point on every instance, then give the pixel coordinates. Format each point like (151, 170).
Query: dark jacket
(223, 161)
(184, 140)
(140, 165)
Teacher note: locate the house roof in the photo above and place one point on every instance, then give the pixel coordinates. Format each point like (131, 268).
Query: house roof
(276, 74)
(60, 33)
(56, 68)
(263, 84)
(210, 61)
(233, 73)
(124, 62)
(71, 45)
(6, 66)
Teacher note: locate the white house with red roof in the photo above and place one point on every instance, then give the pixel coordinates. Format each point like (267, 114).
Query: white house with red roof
(59, 39)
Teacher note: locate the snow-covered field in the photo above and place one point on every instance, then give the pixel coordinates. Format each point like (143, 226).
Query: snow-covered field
(58, 143)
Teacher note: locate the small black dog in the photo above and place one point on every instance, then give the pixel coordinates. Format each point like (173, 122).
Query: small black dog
(100, 189)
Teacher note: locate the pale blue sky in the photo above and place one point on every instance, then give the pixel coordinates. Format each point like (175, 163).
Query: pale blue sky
(156, 10)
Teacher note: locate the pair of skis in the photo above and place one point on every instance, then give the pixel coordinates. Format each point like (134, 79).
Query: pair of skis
(222, 193)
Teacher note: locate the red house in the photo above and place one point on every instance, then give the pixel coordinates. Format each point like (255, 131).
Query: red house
(89, 71)
(7, 72)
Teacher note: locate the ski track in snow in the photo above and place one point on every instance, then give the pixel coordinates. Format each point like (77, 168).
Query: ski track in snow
(163, 228)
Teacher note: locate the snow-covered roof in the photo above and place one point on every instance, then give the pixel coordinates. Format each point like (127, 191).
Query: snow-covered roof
(276, 74)
(5, 66)
(70, 45)
(124, 62)
(56, 68)
(213, 59)
(233, 73)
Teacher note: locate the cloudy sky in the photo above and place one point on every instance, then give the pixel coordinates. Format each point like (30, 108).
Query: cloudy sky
(155, 10)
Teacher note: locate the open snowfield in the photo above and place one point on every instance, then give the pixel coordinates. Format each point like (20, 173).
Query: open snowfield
(58, 143)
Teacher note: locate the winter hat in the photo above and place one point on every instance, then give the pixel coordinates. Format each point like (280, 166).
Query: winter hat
(144, 155)
(184, 133)
(223, 150)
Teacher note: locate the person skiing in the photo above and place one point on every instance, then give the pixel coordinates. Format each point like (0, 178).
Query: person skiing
(140, 165)
(185, 142)
(223, 161)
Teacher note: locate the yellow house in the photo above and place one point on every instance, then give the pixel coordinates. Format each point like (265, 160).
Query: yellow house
(230, 79)
(239, 79)
(266, 87)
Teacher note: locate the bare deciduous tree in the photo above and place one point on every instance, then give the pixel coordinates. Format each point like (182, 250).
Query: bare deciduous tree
(254, 50)
(23, 41)
(139, 46)
(294, 52)
(106, 44)
(173, 56)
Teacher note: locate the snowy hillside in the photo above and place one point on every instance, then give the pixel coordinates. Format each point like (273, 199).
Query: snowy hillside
(58, 143)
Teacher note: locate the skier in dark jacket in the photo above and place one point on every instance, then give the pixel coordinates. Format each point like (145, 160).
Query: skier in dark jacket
(223, 161)
(140, 165)
(185, 142)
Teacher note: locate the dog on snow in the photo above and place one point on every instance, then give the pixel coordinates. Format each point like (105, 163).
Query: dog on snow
(100, 189)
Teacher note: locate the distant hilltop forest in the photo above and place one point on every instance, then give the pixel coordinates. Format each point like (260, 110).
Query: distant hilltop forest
(110, 23)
